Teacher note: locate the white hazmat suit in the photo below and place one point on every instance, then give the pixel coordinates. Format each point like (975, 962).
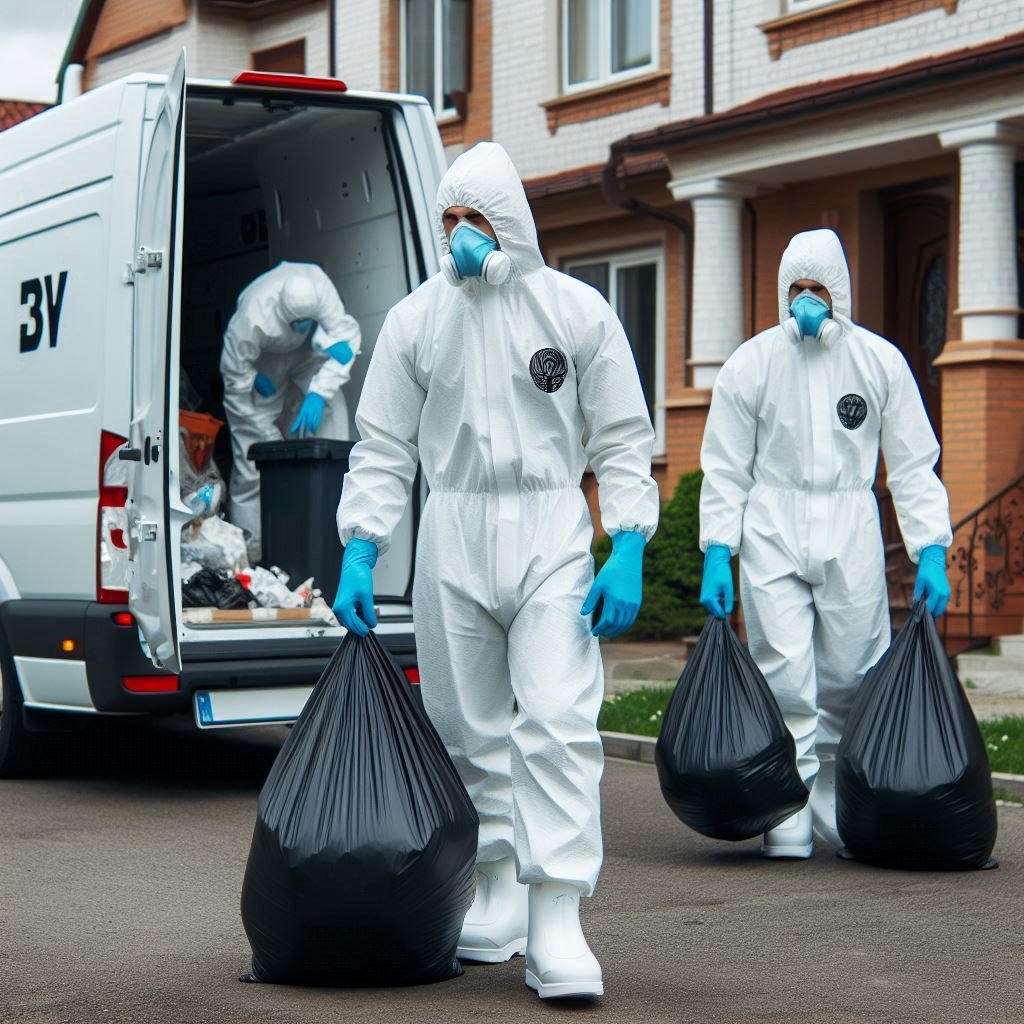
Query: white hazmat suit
(504, 393)
(789, 455)
(260, 339)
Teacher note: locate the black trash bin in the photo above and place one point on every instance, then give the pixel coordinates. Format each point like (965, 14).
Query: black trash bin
(300, 487)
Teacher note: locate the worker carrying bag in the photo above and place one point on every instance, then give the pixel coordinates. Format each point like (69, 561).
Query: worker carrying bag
(726, 761)
(913, 786)
(363, 857)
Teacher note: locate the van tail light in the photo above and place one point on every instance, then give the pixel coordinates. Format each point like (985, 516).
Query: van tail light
(151, 684)
(112, 523)
(413, 675)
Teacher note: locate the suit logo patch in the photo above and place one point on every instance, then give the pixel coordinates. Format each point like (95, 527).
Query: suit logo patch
(852, 410)
(548, 369)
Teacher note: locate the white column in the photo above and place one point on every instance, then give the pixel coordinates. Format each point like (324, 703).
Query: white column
(718, 280)
(987, 278)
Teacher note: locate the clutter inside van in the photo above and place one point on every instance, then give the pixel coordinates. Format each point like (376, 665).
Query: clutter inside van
(215, 569)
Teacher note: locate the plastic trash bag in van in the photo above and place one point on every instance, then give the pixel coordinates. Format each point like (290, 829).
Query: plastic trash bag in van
(362, 862)
(726, 762)
(913, 786)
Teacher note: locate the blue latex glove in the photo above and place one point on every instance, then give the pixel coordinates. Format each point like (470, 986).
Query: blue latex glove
(342, 351)
(310, 413)
(931, 579)
(263, 385)
(619, 585)
(716, 586)
(355, 592)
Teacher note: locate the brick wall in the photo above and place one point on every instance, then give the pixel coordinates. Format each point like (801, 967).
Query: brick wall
(309, 23)
(745, 70)
(358, 42)
(529, 76)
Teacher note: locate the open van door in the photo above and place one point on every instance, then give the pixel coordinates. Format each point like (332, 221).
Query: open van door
(155, 511)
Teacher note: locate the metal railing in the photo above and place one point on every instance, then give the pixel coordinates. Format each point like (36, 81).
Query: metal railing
(986, 559)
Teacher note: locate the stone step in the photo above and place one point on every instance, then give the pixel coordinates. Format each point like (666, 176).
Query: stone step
(992, 673)
(1012, 646)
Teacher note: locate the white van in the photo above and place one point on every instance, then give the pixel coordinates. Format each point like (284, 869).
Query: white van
(130, 220)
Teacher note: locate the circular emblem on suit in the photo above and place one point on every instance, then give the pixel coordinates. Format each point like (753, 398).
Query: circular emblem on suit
(548, 369)
(852, 410)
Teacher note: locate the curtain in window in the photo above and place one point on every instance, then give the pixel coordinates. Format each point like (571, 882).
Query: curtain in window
(631, 34)
(636, 303)
(419, 48)
(595, 274)
(455, 45)
(584, 41)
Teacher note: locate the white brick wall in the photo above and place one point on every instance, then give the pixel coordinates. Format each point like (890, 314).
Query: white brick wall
(156, 55)
(359, 43)
(219, 47)
(308, 22)
(744, 69)
(523, 77)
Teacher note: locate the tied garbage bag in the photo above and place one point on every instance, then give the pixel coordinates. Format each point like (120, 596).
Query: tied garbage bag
(362, 862)
(913, 786)
(726, 762)
(210, 589)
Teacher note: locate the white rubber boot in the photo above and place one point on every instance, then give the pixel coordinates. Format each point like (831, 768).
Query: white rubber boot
(559, 962)
(496, 926)
(823, 803)
(793, 838)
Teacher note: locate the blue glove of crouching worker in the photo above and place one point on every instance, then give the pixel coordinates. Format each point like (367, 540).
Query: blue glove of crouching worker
(619, 585)
(353, 606)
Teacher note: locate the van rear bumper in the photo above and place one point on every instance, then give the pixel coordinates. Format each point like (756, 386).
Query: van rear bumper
(43, 629)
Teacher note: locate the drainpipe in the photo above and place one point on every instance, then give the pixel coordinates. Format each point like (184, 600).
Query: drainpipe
(709, 57)
(332, 27)
(71, 83)
(616, 195)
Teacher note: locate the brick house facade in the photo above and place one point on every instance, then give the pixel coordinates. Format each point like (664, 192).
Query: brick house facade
(670, 148)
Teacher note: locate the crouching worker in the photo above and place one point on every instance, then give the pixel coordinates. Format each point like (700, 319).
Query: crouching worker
(505, 378)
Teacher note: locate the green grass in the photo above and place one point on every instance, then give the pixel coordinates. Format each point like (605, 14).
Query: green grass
(1008, 798)
(638, 712)
(1004, 742)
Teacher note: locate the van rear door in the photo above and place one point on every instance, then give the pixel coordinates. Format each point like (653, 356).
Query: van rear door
(155, 511)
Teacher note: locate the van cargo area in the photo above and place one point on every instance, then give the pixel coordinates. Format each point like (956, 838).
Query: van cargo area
(266, 180)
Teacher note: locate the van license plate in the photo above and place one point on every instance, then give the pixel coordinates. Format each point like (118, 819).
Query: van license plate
(218, 708)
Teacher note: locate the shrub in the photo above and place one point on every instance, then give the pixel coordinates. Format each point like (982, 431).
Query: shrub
(673, 565)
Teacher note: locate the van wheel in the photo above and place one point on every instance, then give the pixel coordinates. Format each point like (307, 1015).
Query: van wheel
(17, 745)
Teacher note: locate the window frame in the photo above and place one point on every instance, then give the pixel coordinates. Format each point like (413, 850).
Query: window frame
(607, 76)
(437, 100)
(622, 259)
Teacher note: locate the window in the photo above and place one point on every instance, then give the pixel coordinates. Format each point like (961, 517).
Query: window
(606, 40)
(633, 284)
(435, 52)
(289, 58)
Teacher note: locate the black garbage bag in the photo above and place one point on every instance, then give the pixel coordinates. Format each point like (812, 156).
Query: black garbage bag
(913, 786)
(726, 762)
(362, 862)
(210, 588)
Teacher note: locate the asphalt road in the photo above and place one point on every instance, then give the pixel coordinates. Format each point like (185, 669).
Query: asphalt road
(119, 885)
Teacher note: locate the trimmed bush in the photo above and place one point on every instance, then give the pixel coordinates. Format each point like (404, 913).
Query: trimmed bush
(673, 565)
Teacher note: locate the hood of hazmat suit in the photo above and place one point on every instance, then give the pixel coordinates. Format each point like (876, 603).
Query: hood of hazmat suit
(790, 454)
(817, 256)
(504, 393)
